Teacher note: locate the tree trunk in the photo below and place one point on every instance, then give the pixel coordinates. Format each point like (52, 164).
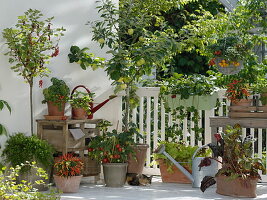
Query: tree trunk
(31, 105)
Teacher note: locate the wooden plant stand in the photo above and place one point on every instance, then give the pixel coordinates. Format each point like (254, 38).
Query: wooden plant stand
(248, 111)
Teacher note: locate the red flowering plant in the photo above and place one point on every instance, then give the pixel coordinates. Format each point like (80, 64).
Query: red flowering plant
(57, 93)
(68, 165)
(112, 147)
(237, 90)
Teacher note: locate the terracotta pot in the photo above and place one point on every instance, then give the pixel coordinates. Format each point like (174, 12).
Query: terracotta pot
(115, 174)
(176, 176)
(237, 187)
(242, 102)
(68, 184)
(54, 110)
(136, 163)
(78, 113)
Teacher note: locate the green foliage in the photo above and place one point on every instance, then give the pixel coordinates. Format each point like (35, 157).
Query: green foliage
(237, 156)
(20, 148)
(180, 152)
(189, 85)
(112, 147)
(82, 100)
(10, 189)
(57, 93)
(4, 104)
(237, 90)
(85, 59)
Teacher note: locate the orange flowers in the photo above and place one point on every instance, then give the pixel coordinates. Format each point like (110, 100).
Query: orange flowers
(237, 90)
(68, 165)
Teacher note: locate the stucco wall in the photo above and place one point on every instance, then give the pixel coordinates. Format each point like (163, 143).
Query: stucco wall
(72, 15)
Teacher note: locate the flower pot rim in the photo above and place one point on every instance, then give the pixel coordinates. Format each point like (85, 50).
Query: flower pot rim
(114, 163)
(54, 175)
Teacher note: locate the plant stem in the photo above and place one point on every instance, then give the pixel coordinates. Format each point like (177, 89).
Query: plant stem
(127, 108)
(31, 105)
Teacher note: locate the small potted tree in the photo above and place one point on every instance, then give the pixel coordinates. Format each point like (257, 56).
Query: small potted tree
(68, 173)
(112, 149)
(81, 104)
(56, 97)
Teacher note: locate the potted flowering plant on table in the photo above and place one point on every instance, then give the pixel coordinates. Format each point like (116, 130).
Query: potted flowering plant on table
(112, 149)
(229, 53)
(80, 103)
(68, 173)
(56, 97)
(238, 92)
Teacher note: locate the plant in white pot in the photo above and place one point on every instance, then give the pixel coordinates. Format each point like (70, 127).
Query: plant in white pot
(68, 173)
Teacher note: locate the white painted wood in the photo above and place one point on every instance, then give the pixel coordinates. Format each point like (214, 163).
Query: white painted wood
(260, 143)
(192, 132)
(155, 136)
(162, 117)
(148, 129)
(252, 133)
(134, 113)
(141, 118)
(207, 129)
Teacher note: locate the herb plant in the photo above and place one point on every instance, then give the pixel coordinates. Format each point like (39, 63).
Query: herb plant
(21, 148)
(68, 165)
(32, 43)
(82, 100)
(57, 93)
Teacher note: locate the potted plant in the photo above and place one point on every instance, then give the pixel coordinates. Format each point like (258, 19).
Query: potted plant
(68, 173)
(181, 153)
(238, 92)
(80, 103)
(112, 149)
(20, 149)
(56, 97)
(239, 174)
(32, 43)
(229, 53)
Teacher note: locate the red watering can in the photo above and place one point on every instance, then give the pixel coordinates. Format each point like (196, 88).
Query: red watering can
(96, 108)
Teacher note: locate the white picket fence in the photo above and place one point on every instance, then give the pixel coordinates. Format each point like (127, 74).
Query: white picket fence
(151, 118)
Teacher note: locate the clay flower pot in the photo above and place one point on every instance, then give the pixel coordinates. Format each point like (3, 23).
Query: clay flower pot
(53, 110)
(237, 187)
(115, 174)
(137, 165)
(78, 113)
(176, 176)
(69, 184)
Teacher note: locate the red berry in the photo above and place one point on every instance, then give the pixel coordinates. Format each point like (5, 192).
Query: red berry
(173, 96)
(90, 149)
(120, 149)
(100, 149)
(117, 146)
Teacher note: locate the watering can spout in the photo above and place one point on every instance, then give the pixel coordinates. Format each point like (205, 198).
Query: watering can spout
(96, 108)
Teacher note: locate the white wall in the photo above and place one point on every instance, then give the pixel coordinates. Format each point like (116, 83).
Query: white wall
(72, 15)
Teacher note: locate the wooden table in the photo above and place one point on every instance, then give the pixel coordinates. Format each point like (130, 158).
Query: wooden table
(57, 133)
(216, 122)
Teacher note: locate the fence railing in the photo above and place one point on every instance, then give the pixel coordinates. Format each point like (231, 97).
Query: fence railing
(153, 121)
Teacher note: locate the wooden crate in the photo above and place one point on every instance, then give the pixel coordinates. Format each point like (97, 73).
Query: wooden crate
(248, 111)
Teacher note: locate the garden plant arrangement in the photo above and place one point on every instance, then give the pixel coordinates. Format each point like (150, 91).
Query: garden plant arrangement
(68, 173)
(32, 43)
(80, 103)
(4, 104)
(56, 96)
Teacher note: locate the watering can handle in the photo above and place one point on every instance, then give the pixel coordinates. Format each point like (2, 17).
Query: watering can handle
(198, 149)
(78, 86)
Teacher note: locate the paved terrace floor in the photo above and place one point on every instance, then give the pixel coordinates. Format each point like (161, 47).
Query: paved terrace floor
(156, 191)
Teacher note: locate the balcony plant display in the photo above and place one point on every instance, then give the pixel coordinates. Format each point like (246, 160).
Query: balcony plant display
(112, 149)
(56, 97)
(238, 93)
(81, 104)
(32, 43)
(10, 189)
(4, 104)
(181, 153)
(239, 174)
(20, 149)
(68, 173)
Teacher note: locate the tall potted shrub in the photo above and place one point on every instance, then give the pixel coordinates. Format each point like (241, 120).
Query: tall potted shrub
(32, 43)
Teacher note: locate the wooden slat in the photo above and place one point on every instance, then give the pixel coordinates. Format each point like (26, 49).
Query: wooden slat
(134, 113)
(141, 118)
(207, 130)
(148, 129)
(155, 136)
(162, 117)
(247, 115)
(252, 133)
(192, 133)
(260, 143)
